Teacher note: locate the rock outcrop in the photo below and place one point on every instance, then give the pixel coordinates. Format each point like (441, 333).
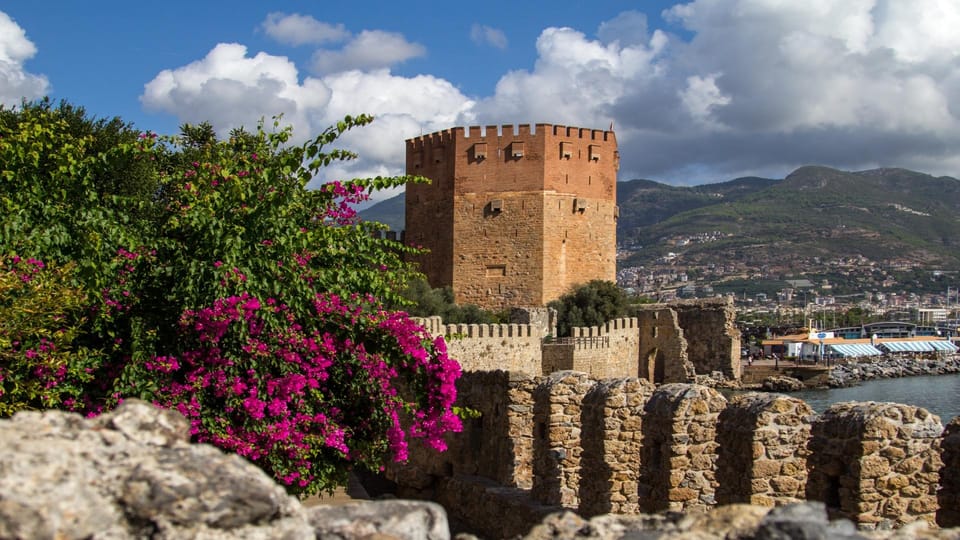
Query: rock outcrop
(802, 521)
(782, 384)
(853, 373)
(132, 473)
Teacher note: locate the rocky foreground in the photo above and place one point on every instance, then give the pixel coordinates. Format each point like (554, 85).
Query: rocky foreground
(133, 473)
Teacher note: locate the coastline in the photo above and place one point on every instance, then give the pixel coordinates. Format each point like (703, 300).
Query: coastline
(853, 373)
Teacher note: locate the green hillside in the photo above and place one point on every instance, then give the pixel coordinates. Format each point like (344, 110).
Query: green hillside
(644, 202)
(817, 211)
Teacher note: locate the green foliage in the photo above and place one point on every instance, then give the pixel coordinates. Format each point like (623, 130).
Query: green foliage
(71, 189)
(425, 301)
(40, 316)
(591, 304)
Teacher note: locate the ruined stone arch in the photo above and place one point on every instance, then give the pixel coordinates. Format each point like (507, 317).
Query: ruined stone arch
(653, 367)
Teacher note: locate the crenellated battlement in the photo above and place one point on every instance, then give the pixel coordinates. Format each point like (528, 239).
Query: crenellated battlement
(624, 446)
(495, 133)
(438, 138)
(654, 345)
(616, 326)
(435, 326)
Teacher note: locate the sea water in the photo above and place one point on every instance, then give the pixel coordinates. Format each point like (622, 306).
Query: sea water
(939, 394)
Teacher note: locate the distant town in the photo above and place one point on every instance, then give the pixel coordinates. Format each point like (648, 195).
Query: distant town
(793, 290)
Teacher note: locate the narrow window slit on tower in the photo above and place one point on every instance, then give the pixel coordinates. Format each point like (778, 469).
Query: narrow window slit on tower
(496, 270)
(480, 151)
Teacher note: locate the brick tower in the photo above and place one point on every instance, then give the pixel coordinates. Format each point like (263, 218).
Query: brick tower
(514, 217)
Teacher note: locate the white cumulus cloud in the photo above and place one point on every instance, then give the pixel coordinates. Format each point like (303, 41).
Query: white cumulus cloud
(370, 49)
(575, 80)
(726, 89)
(755, 87)
(15, 48)
(486, 35)
(229, 89)
(295, 29)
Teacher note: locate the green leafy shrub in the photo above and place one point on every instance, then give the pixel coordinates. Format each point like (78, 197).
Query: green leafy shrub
(40, 315)
(591, 304)
(426, 301)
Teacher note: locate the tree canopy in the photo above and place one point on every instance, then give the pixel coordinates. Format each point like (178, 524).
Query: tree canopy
(591, 304)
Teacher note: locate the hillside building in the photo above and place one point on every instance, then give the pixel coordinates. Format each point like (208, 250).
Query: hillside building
(513, 217)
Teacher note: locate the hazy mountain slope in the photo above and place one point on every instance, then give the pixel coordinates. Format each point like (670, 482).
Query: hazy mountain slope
(389, 212)
(645, 202)
(881, 214)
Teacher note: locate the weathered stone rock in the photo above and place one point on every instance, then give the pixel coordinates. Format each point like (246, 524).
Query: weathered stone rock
(807, 521)
(782, 384)
(131, 473)
(394, 519)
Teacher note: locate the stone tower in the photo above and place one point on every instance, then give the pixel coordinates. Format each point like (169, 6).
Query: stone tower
(513, 217)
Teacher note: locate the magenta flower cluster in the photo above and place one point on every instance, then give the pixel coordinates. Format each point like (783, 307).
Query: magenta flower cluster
(342, 211)
(270, 386)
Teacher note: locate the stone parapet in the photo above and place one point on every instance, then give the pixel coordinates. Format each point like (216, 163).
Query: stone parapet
(763, 451)
(679, 452)
(624, 446)
(949, 495)
(611, 439)
(876, 463)
(557, 447)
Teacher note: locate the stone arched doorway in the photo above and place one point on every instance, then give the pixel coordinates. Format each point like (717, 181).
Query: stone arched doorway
(654, 369)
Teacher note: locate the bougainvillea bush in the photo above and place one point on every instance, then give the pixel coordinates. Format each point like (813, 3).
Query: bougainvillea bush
(253, 305)
(302, 399)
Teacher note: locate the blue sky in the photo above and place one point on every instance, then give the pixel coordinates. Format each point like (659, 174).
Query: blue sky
(698, 92)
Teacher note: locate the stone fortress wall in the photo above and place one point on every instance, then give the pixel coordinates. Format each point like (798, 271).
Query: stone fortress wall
(624, 445)
(663, 343)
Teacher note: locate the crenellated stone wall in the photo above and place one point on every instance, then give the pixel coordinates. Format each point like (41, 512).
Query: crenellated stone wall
(490, 347)
(949, 494)
(622, 445)
(876, 463)
(607, 351)
(654, 345)
(763, 450)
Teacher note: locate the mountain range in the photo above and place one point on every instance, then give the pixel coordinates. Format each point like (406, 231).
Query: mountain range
(890, 216)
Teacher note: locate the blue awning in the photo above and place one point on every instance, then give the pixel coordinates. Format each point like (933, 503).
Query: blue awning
(944, 346)
(919, 346)
(906, 346)
(855, 349)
